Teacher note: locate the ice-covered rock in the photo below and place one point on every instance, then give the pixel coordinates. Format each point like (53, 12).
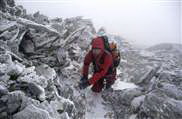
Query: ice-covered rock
(32, 112)
(137, 102)
(120, 101)
(157, 105)
(29, 75)
(3, 90)
(40, 18)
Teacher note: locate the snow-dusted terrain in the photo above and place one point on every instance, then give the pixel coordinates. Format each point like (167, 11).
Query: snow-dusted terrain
(40, 67)
(95, 103)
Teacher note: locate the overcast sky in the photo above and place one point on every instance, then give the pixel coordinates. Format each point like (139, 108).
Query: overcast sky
(142, 22)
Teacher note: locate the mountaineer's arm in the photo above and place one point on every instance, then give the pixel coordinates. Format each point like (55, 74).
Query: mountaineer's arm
(88, 59)
(104, 69)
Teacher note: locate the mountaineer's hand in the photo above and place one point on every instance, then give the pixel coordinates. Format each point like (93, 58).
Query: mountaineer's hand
(83, 79)
(83, 84)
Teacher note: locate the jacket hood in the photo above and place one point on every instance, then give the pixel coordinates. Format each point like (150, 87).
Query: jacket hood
(98, 43)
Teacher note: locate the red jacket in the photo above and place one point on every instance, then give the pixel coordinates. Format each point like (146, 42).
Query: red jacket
(104, 61)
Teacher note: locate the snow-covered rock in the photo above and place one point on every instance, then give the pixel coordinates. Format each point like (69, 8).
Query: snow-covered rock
(40, 66)
(32, 112)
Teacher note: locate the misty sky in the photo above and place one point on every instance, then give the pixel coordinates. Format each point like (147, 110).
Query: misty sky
(142, 22)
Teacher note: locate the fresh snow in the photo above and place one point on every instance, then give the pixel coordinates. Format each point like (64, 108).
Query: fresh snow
(95, 107)
(120, 85)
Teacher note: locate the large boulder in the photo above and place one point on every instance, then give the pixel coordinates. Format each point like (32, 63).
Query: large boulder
(157, 105)
(120, 101)
(32, 112)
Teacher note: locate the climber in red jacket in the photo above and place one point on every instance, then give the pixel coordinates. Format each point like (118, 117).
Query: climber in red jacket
(103, 63)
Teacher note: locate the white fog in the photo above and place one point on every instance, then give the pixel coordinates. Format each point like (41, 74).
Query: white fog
(142, 22)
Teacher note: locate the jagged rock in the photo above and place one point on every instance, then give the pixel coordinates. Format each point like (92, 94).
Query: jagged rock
(172, 91)
(64, 115)
(58, 26)
(52, 112)
(146, 78)
(137, 102)
(63, 105)
(14, 100)
(9, 67)
(170, 77)
(46, 71)
(3, 90)
(157, 105)
(40, 18)
(11, 3)
(16, 69)
(20, 11)
(120, 101)
(80, 110)
(5, 58)
(56, 20)
(27, 46)
(37, 91)
(62, 56)
(4, 79)
(29, 75)
(30, 88)
(32, 112)
(6, 25)
(2, 5)
(65, 91)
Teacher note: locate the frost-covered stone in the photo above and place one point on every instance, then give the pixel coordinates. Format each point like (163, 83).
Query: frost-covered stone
(46, 71)
(3, 90)
(62, 105)
(37, 91)
(29, 75)
(137, 102)
(14, 100)
(157, 105)
(62, 56)
(27, 46)
(58, 26)
(32, 112)
(48, 107)
(120, 101)
(20, 11)
(40, 18)
(172, 91)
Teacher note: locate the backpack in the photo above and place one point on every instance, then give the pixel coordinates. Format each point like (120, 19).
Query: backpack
(112, 48)
(115, 54)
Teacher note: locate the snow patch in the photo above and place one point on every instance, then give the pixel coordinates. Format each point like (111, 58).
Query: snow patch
(120, 85)
(95, 108)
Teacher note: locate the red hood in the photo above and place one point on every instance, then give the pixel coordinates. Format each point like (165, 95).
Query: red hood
(98, 43)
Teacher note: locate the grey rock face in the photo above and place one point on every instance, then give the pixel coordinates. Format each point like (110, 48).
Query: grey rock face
(32, 112)
(14, 101)
(157, 105)
(61, 56)
(121, 100)
(3, 90)
(41, 19)
(30, 47)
